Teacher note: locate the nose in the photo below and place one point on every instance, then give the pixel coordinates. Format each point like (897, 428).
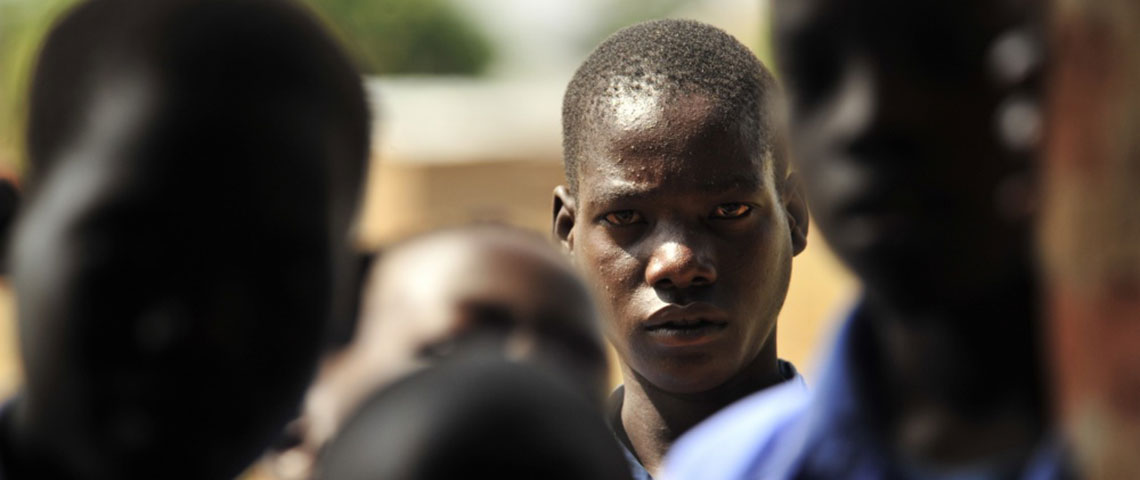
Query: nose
(678, 263)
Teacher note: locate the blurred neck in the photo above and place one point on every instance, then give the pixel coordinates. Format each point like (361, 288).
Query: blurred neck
(653, 418)
(24, 452)
(960, 383)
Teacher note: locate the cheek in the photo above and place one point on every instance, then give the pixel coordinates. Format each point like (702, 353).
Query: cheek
(763, 264)
(612, 272)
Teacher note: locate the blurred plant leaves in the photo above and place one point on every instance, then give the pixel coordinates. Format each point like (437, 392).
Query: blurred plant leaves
(429, 37)
(23, 24)
(394, 37)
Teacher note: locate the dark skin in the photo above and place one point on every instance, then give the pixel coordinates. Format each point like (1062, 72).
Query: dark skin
(492, 289)
(175, 261)
(894, 107)
(682, 229)
(474, 416)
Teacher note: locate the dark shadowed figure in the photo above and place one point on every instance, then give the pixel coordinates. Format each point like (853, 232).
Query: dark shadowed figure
(474, 419)
(914, 125)
(194, 171)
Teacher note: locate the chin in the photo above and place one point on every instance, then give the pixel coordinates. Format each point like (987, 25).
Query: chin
(686, 379)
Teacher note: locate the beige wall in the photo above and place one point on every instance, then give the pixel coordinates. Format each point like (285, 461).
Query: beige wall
(9, 357)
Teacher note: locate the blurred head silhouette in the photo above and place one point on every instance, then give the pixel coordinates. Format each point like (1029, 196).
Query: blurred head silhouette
(194, 170)
(431, 297)
(914, 127)
(474, 419)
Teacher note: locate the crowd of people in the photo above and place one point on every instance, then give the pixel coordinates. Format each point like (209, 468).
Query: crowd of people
(191, 301)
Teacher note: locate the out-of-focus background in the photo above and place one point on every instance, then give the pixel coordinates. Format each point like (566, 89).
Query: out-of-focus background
(468, 95)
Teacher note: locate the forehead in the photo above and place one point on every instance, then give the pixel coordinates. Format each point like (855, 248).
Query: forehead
(673, 143)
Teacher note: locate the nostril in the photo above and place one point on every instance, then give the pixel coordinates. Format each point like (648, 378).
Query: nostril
(678, 265)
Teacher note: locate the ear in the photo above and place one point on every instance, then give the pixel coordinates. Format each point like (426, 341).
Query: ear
(9, 207)
(342, 327)
(795, 205)
(564, 217)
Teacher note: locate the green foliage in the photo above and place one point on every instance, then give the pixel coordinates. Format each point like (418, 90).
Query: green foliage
(618, 15)
(23, 24)
(408, 36)
(388, 36)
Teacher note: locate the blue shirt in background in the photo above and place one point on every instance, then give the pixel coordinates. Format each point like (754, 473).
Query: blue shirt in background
(613, 417)
(787, 432)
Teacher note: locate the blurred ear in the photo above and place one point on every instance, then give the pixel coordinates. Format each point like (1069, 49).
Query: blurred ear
(564, 218)
(795, 205)
(342, 327)
(9, 205)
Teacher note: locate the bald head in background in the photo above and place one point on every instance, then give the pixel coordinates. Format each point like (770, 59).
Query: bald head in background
(490, 288)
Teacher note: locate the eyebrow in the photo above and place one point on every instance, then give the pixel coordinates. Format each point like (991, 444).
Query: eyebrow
(741, 181)
(617, 190)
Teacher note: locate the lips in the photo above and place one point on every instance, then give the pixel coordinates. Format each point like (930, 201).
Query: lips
(687, 325)
(689, 315)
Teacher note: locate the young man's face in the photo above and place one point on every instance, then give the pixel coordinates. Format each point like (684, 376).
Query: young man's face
(897, 112)
(678, 225)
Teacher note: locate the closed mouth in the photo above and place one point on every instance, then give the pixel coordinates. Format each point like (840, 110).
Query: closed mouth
(691, 324)
(687, 324)
(685, 315)
(686, 333)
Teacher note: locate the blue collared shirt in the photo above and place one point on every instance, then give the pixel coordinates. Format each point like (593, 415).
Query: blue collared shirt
(613, 418)
(788, 433)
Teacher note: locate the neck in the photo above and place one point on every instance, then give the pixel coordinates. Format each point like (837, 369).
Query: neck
(653, 418)
(23, 452)
(960, 382)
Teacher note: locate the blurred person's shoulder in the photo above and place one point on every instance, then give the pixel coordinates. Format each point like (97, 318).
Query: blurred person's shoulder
(743, 439)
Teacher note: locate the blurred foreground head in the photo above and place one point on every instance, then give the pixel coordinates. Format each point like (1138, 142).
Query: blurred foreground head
(481, 419)
(915, 125)
(194, 170)
(916, 128)
(488, 288)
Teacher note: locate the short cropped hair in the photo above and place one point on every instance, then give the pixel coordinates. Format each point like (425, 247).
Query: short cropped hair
(672, 58)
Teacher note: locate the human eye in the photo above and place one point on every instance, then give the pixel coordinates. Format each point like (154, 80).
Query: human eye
(623, 218)
(730, 211)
